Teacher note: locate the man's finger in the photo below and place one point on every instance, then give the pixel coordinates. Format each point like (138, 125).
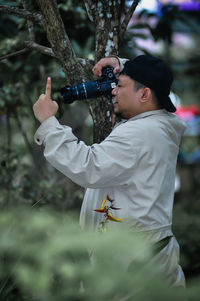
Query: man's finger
(48, 87)
(116, 70)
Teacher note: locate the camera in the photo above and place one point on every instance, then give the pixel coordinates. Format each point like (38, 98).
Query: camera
(91, 89)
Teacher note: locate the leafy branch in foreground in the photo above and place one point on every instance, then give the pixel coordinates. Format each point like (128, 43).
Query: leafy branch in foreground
(45, 256)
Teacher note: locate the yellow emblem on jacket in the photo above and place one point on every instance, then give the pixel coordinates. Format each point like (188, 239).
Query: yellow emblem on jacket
(106, 210)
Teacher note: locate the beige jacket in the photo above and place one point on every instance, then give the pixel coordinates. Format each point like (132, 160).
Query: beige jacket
(135, 165)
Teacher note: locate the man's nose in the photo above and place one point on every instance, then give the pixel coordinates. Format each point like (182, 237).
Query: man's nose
(114, 91)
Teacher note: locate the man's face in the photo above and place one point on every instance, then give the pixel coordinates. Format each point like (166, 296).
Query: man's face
(126, 98)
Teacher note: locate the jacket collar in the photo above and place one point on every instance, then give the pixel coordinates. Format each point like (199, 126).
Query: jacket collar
(149, 113)
(142, 115)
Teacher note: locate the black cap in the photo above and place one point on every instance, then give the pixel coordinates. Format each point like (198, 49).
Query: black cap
(153, 73)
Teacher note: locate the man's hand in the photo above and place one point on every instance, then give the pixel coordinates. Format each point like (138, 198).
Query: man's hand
(111, 61)
(44, 106)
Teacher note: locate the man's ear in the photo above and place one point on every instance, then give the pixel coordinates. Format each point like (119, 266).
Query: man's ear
(146, 94)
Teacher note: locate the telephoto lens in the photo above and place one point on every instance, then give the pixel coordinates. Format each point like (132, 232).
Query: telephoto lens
(91, 89)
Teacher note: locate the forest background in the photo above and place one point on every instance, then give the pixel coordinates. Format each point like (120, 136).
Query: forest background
(26, 179)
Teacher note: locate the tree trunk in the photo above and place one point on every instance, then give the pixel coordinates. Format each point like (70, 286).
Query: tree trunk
(106, 16)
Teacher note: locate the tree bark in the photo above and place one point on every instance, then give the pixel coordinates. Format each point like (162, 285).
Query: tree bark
(59, 41)
(106, 16)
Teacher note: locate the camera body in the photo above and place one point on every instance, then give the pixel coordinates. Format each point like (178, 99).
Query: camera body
(91, 89)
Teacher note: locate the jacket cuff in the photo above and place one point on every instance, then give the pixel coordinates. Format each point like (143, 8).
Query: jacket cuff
(121, 61)
(44, 128)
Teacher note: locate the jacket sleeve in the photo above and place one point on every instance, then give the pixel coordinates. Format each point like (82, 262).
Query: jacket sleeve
(106, 164)
(122, 61)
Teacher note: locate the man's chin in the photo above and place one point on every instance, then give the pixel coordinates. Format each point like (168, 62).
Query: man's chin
(118, 114)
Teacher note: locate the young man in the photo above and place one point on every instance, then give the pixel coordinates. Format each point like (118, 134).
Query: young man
(135, 165)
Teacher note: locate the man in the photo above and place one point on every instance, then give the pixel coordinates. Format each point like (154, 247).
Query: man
(135, 165)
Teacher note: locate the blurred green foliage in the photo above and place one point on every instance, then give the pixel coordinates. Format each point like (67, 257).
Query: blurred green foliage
(45, 256)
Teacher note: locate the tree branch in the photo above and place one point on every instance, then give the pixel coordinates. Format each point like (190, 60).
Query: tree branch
(34, 17)
(29, 23)
(34, 46)
(19, 52)
(128, 17)
(40, 48)
(91, 9)
(30, 45)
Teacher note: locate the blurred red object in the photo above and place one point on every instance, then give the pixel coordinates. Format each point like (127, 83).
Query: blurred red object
(187, 112)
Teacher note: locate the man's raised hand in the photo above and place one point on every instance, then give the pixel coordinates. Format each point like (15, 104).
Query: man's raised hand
(45, 107)
(107, 61)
